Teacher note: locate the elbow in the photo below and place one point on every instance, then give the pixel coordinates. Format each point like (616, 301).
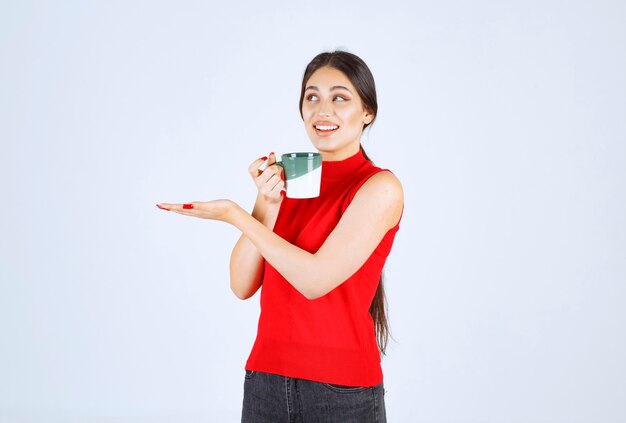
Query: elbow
(310, 296)
(314, 294)
(317, 290)
(318, 284)
(314, 297)
(242, 285)
(239, 295)
(308, 288)
(239, 292)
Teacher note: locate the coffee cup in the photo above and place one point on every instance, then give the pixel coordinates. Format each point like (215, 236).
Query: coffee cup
(303, 174)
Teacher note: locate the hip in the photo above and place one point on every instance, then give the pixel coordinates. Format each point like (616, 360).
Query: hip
(276, 398)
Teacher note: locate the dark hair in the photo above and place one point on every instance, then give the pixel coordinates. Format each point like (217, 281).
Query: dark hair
(361, 77)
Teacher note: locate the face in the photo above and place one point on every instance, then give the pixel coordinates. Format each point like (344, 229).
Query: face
(333, 114)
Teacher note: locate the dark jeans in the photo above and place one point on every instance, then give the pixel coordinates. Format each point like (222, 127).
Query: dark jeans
(275, 399)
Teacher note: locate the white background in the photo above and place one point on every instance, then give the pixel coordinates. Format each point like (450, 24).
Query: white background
(505, 122)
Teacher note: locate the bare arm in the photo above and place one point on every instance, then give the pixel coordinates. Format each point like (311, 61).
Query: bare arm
(246, 263)
(375, 209)
(377, 206)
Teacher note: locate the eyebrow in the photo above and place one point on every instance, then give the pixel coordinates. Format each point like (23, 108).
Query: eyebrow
(313, 87)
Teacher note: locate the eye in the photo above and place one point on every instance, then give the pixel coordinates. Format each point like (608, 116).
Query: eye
(313, 97)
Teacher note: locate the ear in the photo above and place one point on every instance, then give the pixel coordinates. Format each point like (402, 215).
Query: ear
(368, 117)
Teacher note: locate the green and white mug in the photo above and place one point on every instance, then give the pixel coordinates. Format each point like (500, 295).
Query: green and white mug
(303, 174)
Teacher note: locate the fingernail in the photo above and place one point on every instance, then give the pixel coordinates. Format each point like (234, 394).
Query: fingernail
(264, 158)
(271, 153)
(162, 208)
(187, 206)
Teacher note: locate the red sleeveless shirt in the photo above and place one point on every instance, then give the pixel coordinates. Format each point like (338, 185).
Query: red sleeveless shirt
(330, 339)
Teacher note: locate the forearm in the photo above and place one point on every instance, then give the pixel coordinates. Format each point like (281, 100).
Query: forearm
(246, 263)
(296, 265)
(378, 206)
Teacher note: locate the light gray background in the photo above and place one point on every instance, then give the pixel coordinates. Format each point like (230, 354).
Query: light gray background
(505, 122)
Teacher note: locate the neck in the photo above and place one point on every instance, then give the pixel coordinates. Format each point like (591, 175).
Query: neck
(341, 169)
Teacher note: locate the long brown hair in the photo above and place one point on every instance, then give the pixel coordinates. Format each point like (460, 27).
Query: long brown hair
(361, 77)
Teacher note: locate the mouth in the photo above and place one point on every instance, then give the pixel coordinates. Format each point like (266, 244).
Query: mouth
(325, 130)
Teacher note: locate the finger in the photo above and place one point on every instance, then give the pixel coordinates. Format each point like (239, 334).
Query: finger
(187, 212)
(165, 206)
(253, 169)
(272, 159)
(270, 172)
(278, 188)
(271, 182)
(270, 164)
(180, 207)
(280, 185)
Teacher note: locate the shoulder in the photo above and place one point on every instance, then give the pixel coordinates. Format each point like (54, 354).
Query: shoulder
(383, 183)
(382, 195)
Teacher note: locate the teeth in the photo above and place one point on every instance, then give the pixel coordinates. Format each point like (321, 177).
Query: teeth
(325, 128)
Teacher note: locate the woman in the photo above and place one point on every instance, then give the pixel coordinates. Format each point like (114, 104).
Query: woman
(322, 326)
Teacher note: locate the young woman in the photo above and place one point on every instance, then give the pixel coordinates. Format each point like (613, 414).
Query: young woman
(319, 261)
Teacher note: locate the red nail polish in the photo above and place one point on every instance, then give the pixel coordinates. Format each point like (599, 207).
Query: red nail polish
(271, 153)
(162, 208)
(187, 206)
(264, 158)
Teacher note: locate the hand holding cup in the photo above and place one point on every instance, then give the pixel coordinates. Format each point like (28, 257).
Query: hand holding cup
(269, 181)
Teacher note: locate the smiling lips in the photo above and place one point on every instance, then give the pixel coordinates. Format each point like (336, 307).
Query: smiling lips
(325, 128)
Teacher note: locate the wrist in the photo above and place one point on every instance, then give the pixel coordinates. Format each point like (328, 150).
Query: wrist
(233, 216)
(264, 208)
(268, 201)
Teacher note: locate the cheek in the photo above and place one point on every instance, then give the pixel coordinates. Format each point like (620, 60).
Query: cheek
(306, 114)
(352, 118)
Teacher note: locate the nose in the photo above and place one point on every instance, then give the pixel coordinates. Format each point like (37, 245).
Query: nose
(324, 109)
